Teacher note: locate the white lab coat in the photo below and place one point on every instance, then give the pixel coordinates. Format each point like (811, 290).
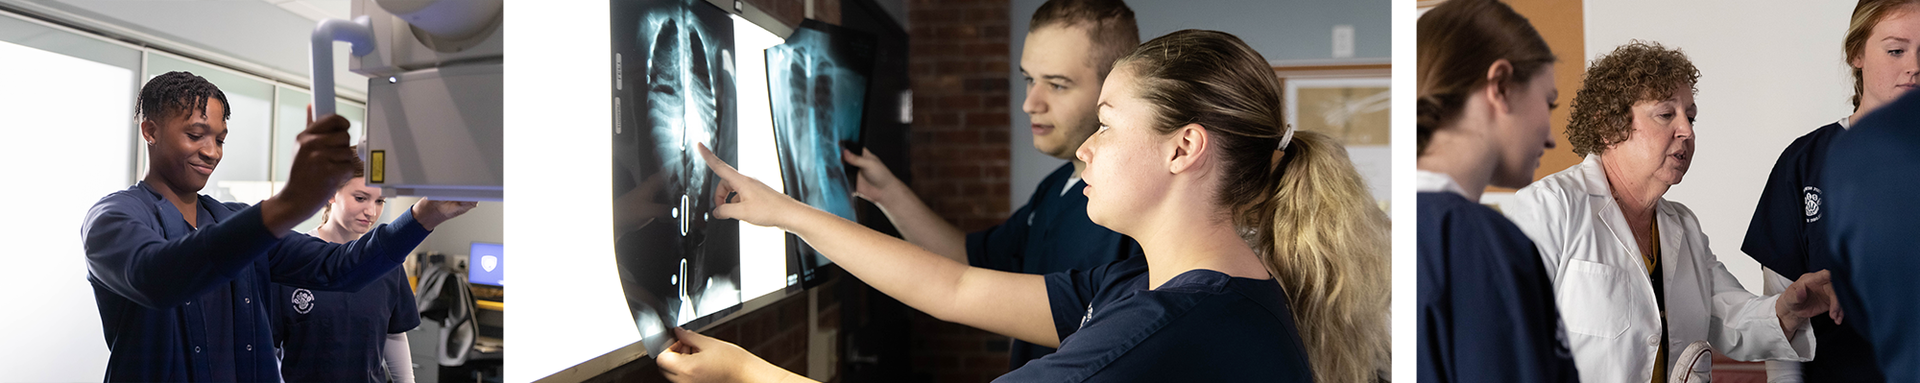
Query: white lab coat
(1606, 299)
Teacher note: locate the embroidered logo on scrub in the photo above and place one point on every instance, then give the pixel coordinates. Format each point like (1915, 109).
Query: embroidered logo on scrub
(302, 301)
(1811, 203)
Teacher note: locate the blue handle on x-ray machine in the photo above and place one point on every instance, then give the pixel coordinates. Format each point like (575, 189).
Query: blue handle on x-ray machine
(356, 32)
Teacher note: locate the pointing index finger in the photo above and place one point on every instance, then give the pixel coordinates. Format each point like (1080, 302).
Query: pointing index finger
(719, 167)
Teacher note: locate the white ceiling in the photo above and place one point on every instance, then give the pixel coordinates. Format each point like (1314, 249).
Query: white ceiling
(265, 37)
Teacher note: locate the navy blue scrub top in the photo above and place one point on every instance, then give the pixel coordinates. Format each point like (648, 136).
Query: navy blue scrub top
(1486, 306)
(1199, 326)
(1050, 234)
(1872, 196)
(184, 304)
(1787, 235)
(337, 336)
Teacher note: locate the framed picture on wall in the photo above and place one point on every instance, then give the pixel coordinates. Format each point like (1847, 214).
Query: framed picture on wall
(1350, 101)
(1353, 110)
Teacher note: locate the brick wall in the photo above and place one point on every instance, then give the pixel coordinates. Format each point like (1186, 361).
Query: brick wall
(960, 119)
(958, 68)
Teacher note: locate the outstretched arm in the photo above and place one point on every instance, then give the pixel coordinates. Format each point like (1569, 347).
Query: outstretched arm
(1006, 303)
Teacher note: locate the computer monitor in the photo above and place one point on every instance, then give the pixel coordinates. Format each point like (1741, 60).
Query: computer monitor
(486, 264)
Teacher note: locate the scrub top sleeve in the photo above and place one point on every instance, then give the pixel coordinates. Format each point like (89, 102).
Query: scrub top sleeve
(308, 262)
(130, 256)
(1068, 295)
(1505, 320)
(406, 314)
(1002, 246)
(999, 247)
(1774, 236)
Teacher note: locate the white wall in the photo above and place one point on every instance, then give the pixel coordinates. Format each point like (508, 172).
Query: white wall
(73, 135)
(563, 308)
(1770, 71)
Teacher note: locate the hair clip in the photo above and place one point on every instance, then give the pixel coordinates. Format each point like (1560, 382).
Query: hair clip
(1286, 139)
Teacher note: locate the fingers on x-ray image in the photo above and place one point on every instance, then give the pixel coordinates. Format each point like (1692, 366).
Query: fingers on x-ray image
(673, 89)
(817, 82)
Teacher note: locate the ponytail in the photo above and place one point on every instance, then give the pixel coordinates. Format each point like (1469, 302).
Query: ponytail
(1459, 40)
(1327, 245)
(1307, 213)
(1432, 110)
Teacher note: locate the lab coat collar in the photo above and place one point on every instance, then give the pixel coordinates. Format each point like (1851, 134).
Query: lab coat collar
(1432, 182)
(1600, 197)
(1595, 178)
(1672, 230)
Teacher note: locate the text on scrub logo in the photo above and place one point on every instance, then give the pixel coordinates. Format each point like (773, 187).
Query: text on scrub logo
(1811, 203)
(302, 301)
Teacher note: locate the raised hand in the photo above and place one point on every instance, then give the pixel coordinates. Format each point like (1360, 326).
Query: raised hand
(746, 199)
(431, 213)
(875, 184)
(323, 162)
(1810, 295)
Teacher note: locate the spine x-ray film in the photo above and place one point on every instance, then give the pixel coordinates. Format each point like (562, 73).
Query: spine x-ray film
(673, 73)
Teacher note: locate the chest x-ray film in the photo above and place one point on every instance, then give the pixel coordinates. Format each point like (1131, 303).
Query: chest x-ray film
(673, 72)
(817, 84)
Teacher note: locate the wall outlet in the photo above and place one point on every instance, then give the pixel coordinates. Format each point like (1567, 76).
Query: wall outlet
(1343, 41)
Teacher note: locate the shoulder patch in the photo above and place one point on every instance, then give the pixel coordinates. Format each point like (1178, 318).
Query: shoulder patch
(1810, 201)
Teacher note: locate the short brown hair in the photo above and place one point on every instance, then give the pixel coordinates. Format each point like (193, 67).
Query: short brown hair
(1459, 40)
(1109, 25)
(1639, 71)
(1866, 15)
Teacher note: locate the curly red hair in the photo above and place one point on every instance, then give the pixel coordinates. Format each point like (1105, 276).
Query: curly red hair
(1602, 112)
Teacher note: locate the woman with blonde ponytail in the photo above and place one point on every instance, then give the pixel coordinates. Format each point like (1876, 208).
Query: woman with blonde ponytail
(1265, 257)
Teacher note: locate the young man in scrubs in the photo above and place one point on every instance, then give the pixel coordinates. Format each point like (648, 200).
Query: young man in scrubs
(1070, 48)
(181, 279)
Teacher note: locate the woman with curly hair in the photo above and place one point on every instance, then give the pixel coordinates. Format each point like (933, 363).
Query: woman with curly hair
(1788, 231)
(1632, 272)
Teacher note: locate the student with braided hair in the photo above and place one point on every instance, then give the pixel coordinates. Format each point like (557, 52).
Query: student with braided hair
(181, 279)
